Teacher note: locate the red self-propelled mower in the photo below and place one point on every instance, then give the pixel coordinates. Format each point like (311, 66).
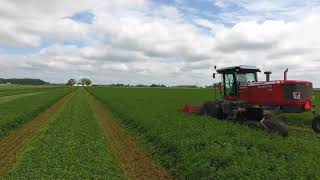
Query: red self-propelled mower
(247, 100)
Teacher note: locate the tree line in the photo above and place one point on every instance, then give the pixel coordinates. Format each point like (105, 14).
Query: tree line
(83, 81)
(24, 81)
(155, 85)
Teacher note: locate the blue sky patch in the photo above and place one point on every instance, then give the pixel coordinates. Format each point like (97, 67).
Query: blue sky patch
(78, 43)
(83, 16)
(24, 50)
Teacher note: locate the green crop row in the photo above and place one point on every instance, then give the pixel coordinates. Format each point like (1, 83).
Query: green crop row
(6, 99)
(20, 110)
(194, 147)
(72, 146)
(16, 87)
(23, 90)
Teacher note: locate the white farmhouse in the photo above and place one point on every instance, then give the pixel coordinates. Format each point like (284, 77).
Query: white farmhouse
(78, 84)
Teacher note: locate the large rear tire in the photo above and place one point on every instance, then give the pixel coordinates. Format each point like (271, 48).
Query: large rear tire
(212, 109)
(276, 125)
(316, 124)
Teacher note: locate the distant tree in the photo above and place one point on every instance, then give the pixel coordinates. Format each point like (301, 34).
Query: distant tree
(117, 84)
(158, 85)
(71, 82)
(86, 81)
(23, 81)
(186, 86)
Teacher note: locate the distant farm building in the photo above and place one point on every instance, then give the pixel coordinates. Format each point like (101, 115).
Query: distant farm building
(78, 84)
(81, 84)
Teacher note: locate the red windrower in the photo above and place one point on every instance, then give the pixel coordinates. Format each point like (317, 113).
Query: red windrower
(243, 98)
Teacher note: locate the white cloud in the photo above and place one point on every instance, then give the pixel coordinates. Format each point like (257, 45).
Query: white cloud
(235, 11)
(130, 42)
(26, 23)
(251, 36)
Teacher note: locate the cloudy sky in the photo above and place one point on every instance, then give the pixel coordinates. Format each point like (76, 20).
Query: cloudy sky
(157, 41)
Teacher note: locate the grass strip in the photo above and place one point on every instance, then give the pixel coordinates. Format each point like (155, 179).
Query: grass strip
(133, 159)
(71, 147)
(18, 111)
(6, 99)
(14, 144)
(23, 90)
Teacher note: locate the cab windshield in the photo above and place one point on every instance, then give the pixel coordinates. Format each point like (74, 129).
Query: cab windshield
(246, 77)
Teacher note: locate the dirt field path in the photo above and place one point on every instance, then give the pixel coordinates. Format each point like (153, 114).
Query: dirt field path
(133, 160)
(13, 144)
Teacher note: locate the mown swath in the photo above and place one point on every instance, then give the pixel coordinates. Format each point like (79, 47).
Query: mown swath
(71, 147)
(16, 142)
(6, 99)
(133, 159)
(20, 110)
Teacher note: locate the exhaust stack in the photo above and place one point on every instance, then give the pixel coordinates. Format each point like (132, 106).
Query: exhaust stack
(267, 73)
(285, 74)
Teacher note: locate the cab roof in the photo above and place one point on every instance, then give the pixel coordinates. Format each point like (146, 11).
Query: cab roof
(239, 69)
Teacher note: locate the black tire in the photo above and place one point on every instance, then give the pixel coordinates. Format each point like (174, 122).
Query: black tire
(254, 114)
(316, 124)
(253, 124)
(276, 125)
(212, 109)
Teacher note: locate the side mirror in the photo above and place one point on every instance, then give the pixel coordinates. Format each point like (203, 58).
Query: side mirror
(214, 75)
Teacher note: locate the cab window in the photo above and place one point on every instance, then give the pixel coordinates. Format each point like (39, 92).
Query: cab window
(246, 77)
(229, 85)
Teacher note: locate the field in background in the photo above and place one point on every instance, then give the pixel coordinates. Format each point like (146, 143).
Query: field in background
(15, 86)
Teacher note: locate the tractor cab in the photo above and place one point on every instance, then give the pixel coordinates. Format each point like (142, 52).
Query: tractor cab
(233, 76)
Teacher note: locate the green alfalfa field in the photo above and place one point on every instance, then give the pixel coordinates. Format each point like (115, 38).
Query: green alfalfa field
(72, 144)
(194, 147)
